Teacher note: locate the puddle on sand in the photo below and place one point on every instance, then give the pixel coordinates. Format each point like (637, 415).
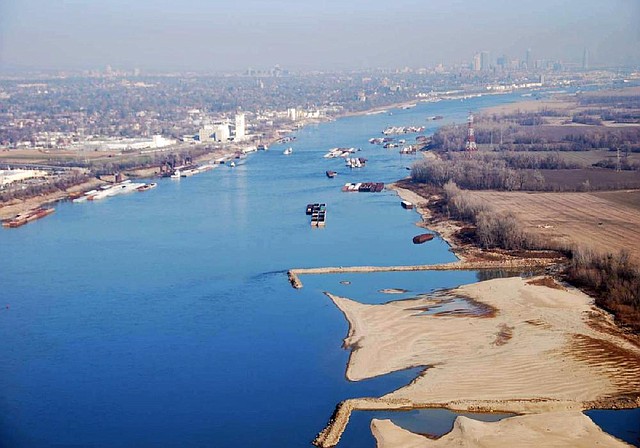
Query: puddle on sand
(447, 305)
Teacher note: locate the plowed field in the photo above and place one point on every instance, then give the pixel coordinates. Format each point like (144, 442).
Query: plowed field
(606, 222)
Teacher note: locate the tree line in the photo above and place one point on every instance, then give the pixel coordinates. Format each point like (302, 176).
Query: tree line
(476, 173)
(613, 279)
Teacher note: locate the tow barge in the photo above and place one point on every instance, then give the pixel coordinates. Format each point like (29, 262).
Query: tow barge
(24, 218)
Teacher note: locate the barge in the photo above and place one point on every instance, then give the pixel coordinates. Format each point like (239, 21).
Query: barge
(422, 238)
(340, 152)
(407, 205)
(355, 162)
(24, 218)
(318, 214)
(146, 187)
(364, 187)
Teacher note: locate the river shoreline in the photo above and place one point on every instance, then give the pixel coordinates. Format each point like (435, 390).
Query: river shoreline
(10, 209)
(545, 354)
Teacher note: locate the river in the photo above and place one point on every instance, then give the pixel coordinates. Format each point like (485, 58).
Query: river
(164, 318)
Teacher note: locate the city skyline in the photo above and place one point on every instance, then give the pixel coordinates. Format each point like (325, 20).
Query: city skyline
(216, 36)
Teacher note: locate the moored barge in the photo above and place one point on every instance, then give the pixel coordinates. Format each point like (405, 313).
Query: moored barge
(24, 218)
(422, 238)
(406, 204)
(364, 187)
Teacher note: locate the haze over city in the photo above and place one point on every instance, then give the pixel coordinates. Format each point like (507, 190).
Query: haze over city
(217, 36)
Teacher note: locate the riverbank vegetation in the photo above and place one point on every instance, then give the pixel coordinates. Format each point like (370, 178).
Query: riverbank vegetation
(612, 278)
(491, 230)
(582, 143)
(511, 171)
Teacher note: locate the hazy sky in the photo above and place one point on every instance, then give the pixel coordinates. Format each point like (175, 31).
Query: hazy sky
(219, 35)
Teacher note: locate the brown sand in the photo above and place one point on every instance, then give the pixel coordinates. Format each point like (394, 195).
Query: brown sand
(538, 352)
(542, 349)
(559, 430)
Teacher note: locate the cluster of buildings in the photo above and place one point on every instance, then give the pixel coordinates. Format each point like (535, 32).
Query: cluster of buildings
(482, 62)
(221, 132)
(117, 112)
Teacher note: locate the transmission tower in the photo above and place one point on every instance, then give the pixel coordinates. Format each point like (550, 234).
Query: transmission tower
(471, 138)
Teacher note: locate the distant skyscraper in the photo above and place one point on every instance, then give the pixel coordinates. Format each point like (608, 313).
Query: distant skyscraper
(502, 61)
(585, 59)
(528, 59)
(484, 61)
(476, 62)
(240, 127)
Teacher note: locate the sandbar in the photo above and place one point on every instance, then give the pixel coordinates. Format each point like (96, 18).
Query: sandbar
(544, 348)
(560, 430)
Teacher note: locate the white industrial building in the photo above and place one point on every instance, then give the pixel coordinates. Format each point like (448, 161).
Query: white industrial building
(9, 176)
(218, 133)
(158, 141)
(240, 128)
(222, 132)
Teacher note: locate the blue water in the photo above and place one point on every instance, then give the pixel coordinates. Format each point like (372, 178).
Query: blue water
(623, 424)
(165, 318)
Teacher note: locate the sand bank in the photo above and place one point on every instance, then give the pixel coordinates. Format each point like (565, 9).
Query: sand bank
(560, 430)
(543, 349)
(542, 344)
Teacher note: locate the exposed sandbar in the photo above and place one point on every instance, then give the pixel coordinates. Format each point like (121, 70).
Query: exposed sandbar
(543, 348)
(539, 351)
(560, 430)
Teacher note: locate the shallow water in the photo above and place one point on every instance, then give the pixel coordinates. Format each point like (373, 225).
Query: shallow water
(623, 424)
(165, 318)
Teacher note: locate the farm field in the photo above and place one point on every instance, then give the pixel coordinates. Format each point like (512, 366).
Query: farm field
(605, 221)
(585, 158)
(590, 179)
